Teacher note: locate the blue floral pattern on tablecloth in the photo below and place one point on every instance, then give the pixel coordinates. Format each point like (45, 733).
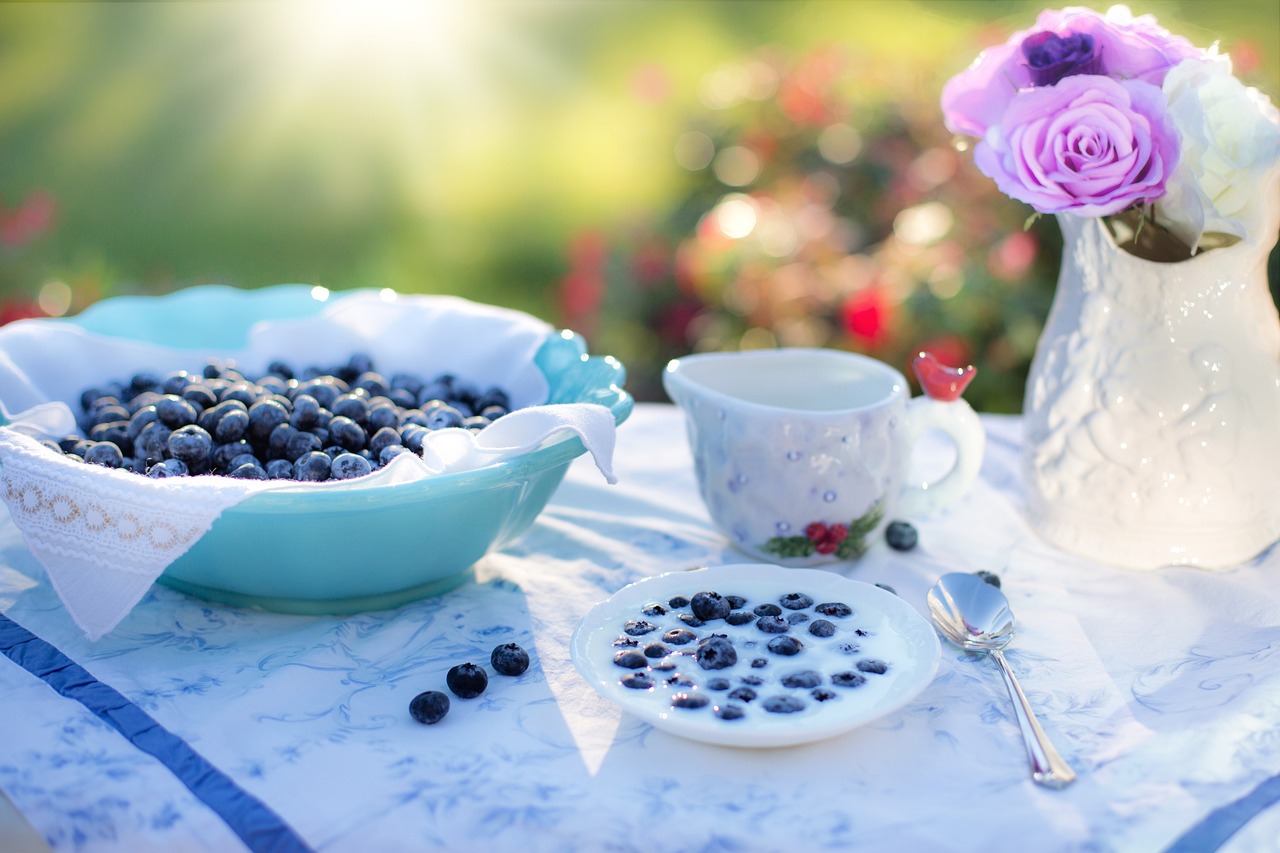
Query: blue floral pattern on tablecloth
(1162, 689)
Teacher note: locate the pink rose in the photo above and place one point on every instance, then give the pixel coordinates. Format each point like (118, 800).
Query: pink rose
(1070, 42)
(1087, 145)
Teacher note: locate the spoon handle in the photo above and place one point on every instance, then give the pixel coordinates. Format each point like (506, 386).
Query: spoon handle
(1047, 766)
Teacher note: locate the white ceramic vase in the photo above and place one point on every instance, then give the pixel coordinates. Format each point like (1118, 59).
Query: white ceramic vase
(1152, 410)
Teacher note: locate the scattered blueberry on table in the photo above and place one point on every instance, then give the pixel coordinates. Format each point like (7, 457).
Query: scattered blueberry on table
(901, 535)
(429, 707)
(309, 425)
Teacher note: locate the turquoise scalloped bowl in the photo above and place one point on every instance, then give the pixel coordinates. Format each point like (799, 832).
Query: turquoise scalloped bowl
(346, 552)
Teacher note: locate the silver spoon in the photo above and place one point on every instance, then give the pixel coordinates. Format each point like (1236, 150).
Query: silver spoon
(975, 616)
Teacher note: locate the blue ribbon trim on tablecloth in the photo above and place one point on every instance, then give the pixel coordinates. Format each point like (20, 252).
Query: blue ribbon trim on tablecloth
(1225, 821)
(260, 828)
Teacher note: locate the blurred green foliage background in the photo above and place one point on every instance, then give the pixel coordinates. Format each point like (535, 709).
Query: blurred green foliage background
(587, 162)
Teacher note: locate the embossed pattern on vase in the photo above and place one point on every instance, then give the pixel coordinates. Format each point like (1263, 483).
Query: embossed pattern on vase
(1153, 406)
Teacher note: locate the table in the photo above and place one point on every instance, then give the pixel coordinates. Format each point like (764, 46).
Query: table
(1161, 688)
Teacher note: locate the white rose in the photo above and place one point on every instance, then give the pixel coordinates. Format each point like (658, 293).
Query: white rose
(1227, 170)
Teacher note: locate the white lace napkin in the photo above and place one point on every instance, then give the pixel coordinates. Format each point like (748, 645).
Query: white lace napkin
(104, 536)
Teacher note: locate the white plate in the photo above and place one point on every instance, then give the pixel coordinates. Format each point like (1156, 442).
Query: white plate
(891, 632)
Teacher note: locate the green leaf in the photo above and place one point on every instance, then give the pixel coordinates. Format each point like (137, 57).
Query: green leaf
(789, 546)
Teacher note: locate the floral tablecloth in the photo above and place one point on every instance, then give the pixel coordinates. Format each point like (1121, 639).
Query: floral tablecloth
(291, 733)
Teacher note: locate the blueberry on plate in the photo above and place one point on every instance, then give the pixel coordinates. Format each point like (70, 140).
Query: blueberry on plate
(656, 650)
(783, 704)
(796, 601)
(837, 609)
(679, 636)
(767, 609)
(785, 645)
(468, 681)
(718, 684)
(901, 535)
(772, 624)
(689, 700)
(730, 712)
(875, 667)
(654, 609)
(509, 659)
(822, 694)
(742, 694)
(739, 617)
(716, 653)
(639, 627)
(805, 678)
(848, 679)
(636, 681)
(628, 659)
(678, 601)
(708, 605)
(822, 628)
(429, 707)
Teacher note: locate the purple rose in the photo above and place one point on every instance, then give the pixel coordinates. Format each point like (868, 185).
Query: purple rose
(1087, 145)
(1050, 57)
(1117, 45)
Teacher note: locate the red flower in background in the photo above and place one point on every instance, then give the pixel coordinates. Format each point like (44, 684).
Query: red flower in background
(26, 222)
(865, 316)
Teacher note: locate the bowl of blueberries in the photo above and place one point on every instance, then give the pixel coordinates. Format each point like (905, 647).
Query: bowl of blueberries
(303, 423)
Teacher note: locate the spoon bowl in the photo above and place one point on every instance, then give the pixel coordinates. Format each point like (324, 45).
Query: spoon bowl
(975, 615)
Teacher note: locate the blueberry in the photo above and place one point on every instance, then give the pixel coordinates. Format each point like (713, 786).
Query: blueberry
(193, 446)
(772, 624)
(639, 627)
(142, 382)
(730, 712)
(248, 471)
(153, 441)
(806, 678)
(280, 469)
(689, 700)
(390, 452)
(736, 602)
(140, 418)
(785, 645)
(795, 601)
(411, 435)
(467, 680)
(630, 659)
(848, 679)
(346, 433)
(691, 620)
(232, 425)
(678, 601)
(835, 608)
(352, 406)
(383, 438)
(199, 396)
(174, 411)
(901, 535)
(312, 467)
(822, 628)
(709, 605)
(742, 694)
(444, 417)
(430, 707)
(656, 650)
(718, 684)
(990, 577)
(767, 609)
(509, 659)
(875, 667)
(716, 653)
(167, 468)
(654, 609)
(664, 665)
(348, 466)
(752, 680)
(300, 444)
(384, 417)
(636, 681)
(625, 642)
(264, 416)
(374, 383)
(306, 412)
(739, 617)
(822, 694)
(679, 680)
(797, 618)
(679, 636)
(759, 663)
(782, 704)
